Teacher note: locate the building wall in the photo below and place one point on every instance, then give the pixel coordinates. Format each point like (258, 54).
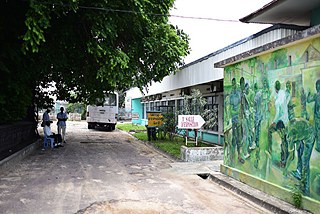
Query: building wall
(171, 98)
(257, 143)
(315, 17)
(202, 70)
(137, 111)
(201, 74)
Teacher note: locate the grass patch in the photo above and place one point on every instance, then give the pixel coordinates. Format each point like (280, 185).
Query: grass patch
(141, 136)
(130, 127)
(173, 147)
(170, 147)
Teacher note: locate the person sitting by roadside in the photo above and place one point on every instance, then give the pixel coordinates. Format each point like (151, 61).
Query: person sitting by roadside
(57, 137)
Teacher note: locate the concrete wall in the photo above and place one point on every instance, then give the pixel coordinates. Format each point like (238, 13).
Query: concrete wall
(74, 117)
(272, 131)
(195, 154)
(14, 137)
(137, 111)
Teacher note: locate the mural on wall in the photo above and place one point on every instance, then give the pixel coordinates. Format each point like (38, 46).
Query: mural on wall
(272, 117)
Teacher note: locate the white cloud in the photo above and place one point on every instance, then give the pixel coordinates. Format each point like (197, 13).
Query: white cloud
(208, 36)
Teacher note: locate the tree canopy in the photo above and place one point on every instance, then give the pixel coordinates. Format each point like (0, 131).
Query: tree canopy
(85, 47)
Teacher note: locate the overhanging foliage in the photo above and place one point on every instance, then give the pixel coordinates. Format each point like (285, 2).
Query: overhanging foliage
(85, 47)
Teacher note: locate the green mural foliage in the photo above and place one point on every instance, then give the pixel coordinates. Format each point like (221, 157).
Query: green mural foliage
(272, 117)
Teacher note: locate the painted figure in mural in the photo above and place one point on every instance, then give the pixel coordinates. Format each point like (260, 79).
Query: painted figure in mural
(244, 105)
(303, 98)
(300, 135)
(257, 108)
(291, 106)
(266, 100)
(235, 99)
(247, 122)
(316, 99)
(228, 148)
(227, 110)
(281, 105)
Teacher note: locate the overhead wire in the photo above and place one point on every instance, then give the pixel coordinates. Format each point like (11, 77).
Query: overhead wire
(135, 12)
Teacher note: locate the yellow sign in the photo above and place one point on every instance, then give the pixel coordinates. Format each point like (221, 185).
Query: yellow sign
(155, 118)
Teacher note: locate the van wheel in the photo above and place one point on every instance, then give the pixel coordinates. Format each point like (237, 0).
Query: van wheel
(90, 126)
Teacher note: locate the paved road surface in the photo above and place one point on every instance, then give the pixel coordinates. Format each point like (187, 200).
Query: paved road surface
(110, 172)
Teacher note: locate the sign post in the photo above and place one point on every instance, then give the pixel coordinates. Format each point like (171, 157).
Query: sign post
(155, 119)
(190, 122)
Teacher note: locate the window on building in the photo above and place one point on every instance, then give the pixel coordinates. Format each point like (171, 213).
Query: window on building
(171, 103)
(156, 106)
(171, 106)
(180, 105)
(143, 107)
(163, 106)
(151, 106)
(212, 103)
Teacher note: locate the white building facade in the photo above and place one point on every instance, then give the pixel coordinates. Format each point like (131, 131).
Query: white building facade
(200, 74)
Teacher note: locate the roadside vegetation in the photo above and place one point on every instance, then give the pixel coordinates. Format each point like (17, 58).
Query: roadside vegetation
(168, 139)
(128, 127)
(77, 54)
(167, 144)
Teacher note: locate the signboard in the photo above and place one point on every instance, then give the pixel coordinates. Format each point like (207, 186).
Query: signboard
(155, 118)
(190, 121)
(135, 116)
(127, 104)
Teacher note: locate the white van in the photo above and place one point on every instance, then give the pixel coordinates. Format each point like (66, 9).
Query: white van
(104, 113)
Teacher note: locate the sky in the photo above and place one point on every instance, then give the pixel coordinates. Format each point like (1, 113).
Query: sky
(208, 36)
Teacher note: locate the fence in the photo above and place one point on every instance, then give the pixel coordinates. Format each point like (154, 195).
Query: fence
(71, 117)
(14, 137)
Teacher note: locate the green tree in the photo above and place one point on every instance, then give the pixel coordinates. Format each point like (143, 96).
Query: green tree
(168, 128)
(85, 47)
(194, 104)
(77, 108)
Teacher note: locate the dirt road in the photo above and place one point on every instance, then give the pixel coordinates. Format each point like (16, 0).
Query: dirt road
(110, 172)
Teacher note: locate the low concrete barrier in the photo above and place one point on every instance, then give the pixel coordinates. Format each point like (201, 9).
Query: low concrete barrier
(16, 136)
(10, 162)
(195, 154)
(74, 117)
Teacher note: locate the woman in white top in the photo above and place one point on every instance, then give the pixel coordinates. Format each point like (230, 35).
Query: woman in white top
(57, 137)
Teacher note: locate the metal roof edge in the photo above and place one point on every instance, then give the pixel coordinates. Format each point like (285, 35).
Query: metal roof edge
(266, 7)
(266, 30)
(310, 32)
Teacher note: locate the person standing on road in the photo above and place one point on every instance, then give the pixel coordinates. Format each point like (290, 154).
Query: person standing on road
(45, 117)
(62, 118)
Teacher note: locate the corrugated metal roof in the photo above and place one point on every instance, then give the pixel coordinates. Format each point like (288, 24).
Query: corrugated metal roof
(294, 38)
(202, 70)
(293, 12)
(242, 41)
